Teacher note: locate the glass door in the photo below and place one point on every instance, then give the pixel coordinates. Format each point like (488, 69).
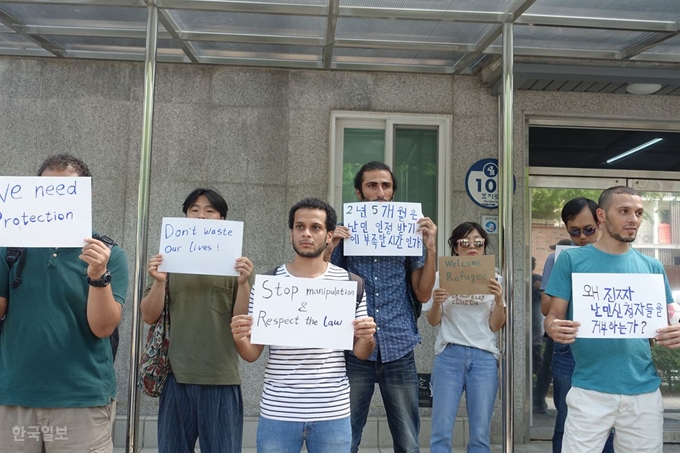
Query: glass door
(659, 237)
(548, 194)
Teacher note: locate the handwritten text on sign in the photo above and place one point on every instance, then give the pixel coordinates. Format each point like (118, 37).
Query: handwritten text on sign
(43, 211)
(619, 305)
(200, 246)
(303, 312)
(386, 229)
(465, 275)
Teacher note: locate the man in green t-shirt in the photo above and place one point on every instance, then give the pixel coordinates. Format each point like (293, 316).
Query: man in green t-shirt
(202, 395)
(57, 383)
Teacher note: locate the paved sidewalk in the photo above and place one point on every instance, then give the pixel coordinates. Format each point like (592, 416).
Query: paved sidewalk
(533, 447)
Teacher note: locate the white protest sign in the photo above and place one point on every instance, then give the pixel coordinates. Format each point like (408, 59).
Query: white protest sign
(383, 229)
(45, 211)
(303, 312)
(560, 248)
(200, 246)
(619, 305)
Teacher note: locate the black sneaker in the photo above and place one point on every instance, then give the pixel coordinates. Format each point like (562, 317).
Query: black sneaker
(540, 408)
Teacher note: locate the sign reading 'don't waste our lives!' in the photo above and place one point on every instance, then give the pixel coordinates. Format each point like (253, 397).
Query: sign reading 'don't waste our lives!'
(45, 211)
(383, 229)
(303, 312)
(619, 305)
(200, 246)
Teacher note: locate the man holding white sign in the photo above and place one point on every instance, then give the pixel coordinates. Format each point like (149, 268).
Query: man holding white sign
(305, 398)
(56, 358)
(202, 394)
(615, 383)
(395, 286)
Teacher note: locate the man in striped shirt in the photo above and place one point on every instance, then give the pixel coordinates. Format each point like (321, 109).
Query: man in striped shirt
(305, 398)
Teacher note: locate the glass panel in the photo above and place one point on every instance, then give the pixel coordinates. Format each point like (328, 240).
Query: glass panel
(410, 30)
(415, 167)
(397, 57)
(591, 148)
(668, 47)
(250, 24)
(78, 15)
(245, 50)
(547, 230)
(661, 10)
(106, 44)
(360, 146)
(659, 237)
(290, 2)
(443, 5)
(573, 38)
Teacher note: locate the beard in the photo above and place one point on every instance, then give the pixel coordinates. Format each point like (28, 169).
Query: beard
(617, 236)
(310, 253)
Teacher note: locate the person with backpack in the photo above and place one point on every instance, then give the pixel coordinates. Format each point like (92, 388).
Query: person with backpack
(305, 398)
(396, 287)
(202, 396)
(56, 357)
(466, 351)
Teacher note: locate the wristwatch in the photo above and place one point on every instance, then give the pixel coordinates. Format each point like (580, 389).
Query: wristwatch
(103, 281)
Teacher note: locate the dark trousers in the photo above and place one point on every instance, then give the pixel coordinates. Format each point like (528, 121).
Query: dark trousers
(211, 413)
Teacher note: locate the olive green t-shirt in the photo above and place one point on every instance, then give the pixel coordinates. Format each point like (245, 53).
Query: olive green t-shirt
(202, 349)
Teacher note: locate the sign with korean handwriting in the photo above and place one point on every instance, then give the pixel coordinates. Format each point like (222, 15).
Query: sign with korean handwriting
(560, 248)
(303, 312)
(619, 305)
(45, 211)
(463, 275)
(200, 246)
(383, 229)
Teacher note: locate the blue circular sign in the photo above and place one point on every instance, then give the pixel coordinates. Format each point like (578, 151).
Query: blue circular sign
(481, 183)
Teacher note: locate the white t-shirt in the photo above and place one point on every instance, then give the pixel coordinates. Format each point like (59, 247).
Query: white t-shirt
(465, 322)
(307, 384)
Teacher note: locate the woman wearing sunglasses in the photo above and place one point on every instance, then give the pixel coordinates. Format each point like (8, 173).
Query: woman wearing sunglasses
(466, 351)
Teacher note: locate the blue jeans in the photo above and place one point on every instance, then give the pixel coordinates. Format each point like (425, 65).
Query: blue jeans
(329, 436)
(398, 382)
(211, 413)
(457, 369)
(562, 370)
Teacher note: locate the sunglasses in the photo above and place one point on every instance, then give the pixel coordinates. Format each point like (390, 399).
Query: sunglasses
(587, 231)
(466, 244)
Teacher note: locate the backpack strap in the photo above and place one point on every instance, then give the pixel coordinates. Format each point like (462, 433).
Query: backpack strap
(110, 243)
(16, 255)
(271, 271)
(360, 285)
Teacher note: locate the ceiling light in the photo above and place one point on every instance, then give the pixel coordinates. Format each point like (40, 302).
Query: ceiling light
(634, 150)
(643, 88)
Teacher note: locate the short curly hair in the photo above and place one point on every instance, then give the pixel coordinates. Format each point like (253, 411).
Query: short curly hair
(62, 162)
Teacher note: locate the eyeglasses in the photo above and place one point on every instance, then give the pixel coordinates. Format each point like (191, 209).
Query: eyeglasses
(466, 244)
(587, 231)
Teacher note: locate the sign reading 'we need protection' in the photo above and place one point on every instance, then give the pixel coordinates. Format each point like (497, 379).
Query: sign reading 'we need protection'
(42, 211)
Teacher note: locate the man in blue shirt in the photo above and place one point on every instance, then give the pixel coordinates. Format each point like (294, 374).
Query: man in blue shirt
(388, 293)
(615, 383)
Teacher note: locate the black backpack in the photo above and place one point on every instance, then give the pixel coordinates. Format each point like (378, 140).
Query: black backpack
(16, 255)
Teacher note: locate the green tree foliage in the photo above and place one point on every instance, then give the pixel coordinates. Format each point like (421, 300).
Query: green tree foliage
(667, 363)
(546, 204)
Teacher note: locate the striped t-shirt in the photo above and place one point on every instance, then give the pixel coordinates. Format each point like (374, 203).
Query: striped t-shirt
(307, 384)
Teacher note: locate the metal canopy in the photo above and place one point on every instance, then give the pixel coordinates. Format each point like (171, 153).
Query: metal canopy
(429, 36)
